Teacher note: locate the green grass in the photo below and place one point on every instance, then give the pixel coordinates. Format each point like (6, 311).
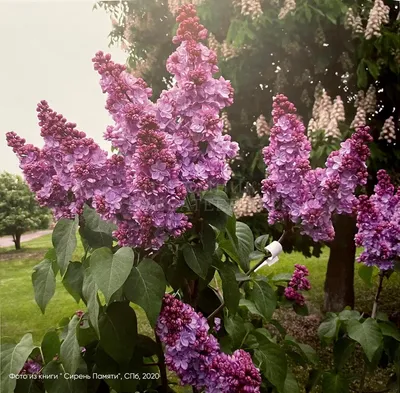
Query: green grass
(19, 313)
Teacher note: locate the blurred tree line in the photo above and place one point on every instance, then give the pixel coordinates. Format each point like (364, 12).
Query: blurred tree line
(19, 211)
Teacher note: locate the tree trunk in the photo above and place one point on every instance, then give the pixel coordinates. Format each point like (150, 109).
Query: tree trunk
(17, 240)
(339, 282)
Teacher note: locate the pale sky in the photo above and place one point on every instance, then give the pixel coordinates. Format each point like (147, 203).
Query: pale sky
(46, 49)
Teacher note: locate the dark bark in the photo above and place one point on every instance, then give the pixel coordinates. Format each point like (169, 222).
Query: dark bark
(339, 282)
(162, 366)
(17, 240)
(378, 293)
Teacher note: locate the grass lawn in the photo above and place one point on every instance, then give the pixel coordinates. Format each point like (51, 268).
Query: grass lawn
(19, 313)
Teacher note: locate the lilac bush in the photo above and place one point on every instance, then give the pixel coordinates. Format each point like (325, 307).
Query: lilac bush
(378, 222)
(164, 151)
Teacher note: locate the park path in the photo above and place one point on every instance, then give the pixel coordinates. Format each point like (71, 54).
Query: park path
(7, 241)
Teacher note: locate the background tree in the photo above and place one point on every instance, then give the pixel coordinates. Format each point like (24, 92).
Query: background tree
(19, 211)
(313, 47)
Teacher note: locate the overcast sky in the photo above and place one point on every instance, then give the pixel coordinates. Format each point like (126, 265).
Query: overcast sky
(46, 49)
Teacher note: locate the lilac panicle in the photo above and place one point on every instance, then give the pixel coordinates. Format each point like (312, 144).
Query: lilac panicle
(378, 222)
(128, 101)
(189, 111)
(331, 189)
(41, 176)
(195, 355)
(298, 282)
(148, 195)
(32, 366)
(292, 191)
(67, 170)
(287, 161)
(165, 149)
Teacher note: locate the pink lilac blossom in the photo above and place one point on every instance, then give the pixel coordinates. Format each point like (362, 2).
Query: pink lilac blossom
(150, 192)
(331, 189)
(217, 324)
(78, 171)
(32, 366)
(298, 282)
(287, 160)
(293, 191)
(190, 110)
(153, 191)
(195, 355)
(67, 171)
(378, 222)
(165, 149)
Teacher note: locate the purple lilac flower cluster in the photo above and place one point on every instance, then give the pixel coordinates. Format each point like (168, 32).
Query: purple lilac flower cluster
(298, 282)
(146, 197)
(287, 160)
(195, 355)
(32, 366)
(165, 149)
(67, 170)
(378, 222)
(293, 191)
(189, 111)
